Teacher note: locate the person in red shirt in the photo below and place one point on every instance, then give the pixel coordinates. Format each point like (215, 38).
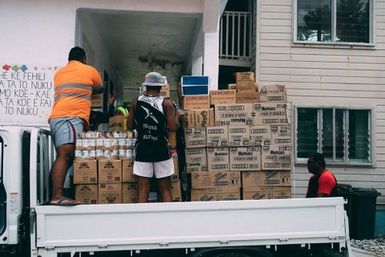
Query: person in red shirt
(323, 181)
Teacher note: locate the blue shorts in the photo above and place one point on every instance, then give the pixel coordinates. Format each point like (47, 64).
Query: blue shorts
(66, 130)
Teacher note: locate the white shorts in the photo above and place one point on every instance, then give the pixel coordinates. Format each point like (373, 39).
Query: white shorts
(161, 169)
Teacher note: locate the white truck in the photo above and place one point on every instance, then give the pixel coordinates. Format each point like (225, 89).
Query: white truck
(282, 227)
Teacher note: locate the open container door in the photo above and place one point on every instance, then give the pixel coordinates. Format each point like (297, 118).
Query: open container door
(41, 156)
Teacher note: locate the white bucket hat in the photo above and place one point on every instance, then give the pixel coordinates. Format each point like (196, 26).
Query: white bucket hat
(154, 79)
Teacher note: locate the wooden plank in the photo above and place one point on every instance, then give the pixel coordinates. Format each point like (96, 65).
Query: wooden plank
(279, 29)
(285, 62)
(380, 74)
(275, 3)
(320, 79)
(274, 22)
(277, 36)
(276, 9)
(327, 55)
(275, 15)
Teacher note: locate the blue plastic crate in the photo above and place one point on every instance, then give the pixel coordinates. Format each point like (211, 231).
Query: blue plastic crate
(195, 85)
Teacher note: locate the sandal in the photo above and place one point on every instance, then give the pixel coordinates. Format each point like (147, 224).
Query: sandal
(64, 202)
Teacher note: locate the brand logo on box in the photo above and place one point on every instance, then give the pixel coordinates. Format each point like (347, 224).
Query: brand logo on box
(108, 165)
(203, 97)
(220, 175)
(84, 165)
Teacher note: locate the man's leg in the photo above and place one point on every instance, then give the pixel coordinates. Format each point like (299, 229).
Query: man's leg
(143, 189)
(165, 189)
(64, 160)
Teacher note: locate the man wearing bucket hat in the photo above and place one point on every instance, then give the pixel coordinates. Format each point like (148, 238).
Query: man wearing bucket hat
(154, 118)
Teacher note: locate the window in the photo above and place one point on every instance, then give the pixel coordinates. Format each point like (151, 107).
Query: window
(342, 135)
(334, 21)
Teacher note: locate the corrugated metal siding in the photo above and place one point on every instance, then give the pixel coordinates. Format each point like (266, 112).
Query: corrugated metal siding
(328, 76)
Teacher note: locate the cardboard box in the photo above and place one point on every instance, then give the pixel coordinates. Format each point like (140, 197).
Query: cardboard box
(228, 181)
(222, 97)
(189, 119)
(176, 191)
(276, 157)
(212, 195)
(165, 91)
(281, 134)
(233, 115)
(110, 171)
(247, 92)
(204, 118)
(266, 193)
(272, 93)
(117, 123)
(86, 194)
(129, 192)
(195, 137)
(217, 136)
(242, 76)
(270, 113)
(97, 100)
(110, 193)
(192, 102)
(127, 171)
(232, 86)
(175, 176)
(196, 159)
(239, 136)
(248, 86)
(85, 172)
(245, 158)
(248, 97)
(266, 178)
(260, 135)
(218, 159)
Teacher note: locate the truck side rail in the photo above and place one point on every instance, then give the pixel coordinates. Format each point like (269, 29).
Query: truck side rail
(191, 224)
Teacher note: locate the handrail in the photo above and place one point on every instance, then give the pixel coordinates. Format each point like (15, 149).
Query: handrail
(235, 35)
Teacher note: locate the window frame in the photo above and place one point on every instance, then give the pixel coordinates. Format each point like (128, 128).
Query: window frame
(371, 123)
(372, 28)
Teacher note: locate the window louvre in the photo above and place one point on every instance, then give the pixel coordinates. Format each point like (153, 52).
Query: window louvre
(342, 135)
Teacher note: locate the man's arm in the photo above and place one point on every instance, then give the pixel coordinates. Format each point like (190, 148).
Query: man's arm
(130, 119)
(98, 86)
(172, 122)
(98, 89)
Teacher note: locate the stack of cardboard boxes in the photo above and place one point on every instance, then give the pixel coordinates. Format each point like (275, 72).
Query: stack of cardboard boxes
(246, 152)
(103, 169)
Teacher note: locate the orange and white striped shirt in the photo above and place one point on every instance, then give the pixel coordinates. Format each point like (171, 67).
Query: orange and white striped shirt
(73, 86)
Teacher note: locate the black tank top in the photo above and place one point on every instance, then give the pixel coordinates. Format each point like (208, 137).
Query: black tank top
(150, 123)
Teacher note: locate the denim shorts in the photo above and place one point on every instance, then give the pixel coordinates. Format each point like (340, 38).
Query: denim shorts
(66, 130)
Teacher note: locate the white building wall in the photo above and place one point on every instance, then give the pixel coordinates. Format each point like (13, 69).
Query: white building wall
(325, 76)
(42, 32)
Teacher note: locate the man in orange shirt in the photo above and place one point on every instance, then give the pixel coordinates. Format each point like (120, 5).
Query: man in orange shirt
(323, 181)
(73, 84)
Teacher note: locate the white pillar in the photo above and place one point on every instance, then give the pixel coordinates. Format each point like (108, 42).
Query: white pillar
(211, 16)
(211, 58)
(197, 65)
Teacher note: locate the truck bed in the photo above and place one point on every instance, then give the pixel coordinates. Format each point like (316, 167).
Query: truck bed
(190, 224)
